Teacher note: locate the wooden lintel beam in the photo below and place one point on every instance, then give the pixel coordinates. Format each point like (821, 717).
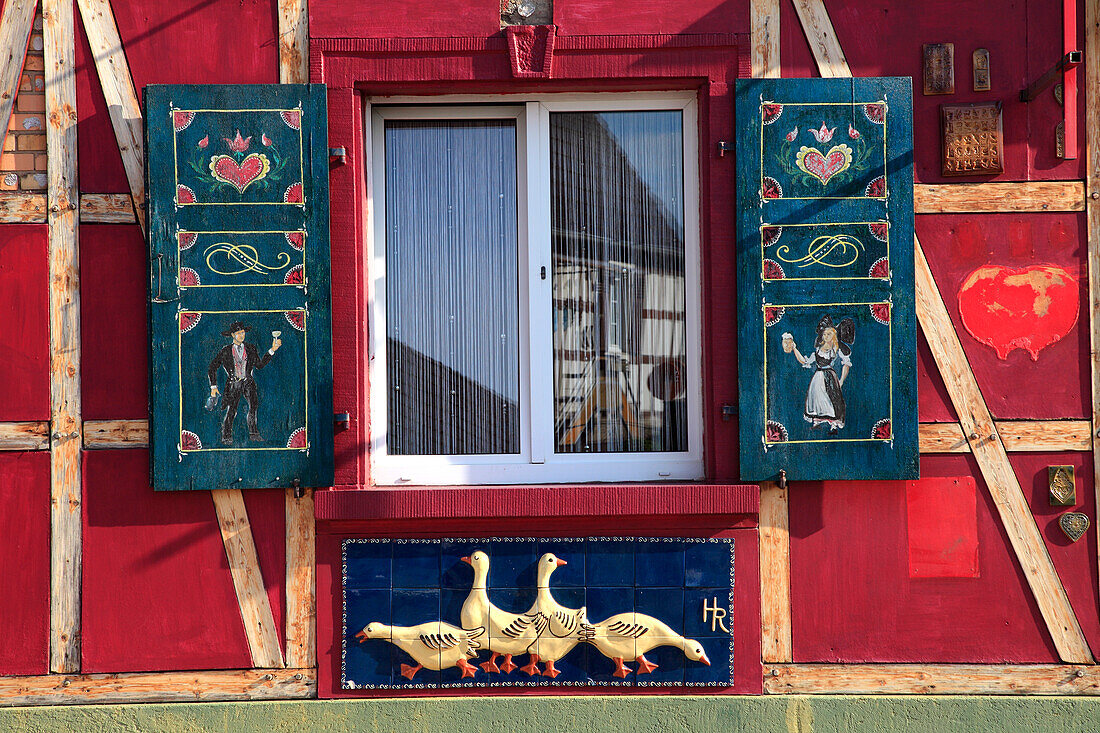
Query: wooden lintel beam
(775, 574)
(19, 207)
(15, 33)
(29, 435)
(221, 685)
(118, 90)
(974, 416)
(1092, 218)
(64, 313)
(1027, 436)
(925, 679)
(248, 583)
(1018, 197)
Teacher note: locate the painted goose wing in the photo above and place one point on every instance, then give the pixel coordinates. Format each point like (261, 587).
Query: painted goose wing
(522, 625)
(568, 623)
(627, 631)
(439, 642)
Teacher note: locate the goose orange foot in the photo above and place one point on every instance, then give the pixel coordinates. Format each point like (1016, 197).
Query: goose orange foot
(491, 665)
(468, 670)
(509, 666)
(551, 671)
(408, 671)
(621, 670)
(532, 667)
(644, 665)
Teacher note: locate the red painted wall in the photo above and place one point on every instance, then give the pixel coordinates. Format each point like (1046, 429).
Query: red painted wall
(25, 558)
(24, 329)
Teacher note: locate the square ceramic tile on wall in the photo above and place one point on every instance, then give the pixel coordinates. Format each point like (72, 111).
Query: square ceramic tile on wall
(560, 612)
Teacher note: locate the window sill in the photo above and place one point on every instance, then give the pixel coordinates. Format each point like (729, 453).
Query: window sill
(506, 502)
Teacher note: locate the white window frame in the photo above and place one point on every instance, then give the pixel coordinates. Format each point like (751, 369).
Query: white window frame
(536, 463)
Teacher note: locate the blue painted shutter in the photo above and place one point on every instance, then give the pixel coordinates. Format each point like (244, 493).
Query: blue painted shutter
(825, 246)
(239, 241)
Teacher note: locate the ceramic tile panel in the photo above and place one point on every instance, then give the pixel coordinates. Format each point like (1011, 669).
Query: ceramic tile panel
(555, 612)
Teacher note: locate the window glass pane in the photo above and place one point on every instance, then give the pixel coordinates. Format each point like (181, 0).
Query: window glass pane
(451, 287)
(617, 219)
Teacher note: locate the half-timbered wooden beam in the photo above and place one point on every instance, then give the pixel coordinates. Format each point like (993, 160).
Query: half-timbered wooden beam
(974, 416)
(106, 208)
(1027, 436)
(1015, 197)
(64, 299)
(116, 434)
(764, 34)
(244, 566)
(1092, 186)
(925, 679)
(221, 685)
(301, 534)
(775, 574)
(15, 34)
(32, 435)
(118, 90)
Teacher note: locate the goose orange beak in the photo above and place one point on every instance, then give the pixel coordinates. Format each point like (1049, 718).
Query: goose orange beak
(466, 560)
(362, 636)
(561, 562)
(704, 660)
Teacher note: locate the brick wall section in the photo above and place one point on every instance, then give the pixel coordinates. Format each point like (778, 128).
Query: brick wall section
(23, 161)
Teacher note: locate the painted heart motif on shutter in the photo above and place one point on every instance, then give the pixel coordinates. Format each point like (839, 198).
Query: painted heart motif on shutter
(825, 166)
(239, 175)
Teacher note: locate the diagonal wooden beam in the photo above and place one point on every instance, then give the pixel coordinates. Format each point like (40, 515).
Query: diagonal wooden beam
(15, 34)
(248, 582)
(301, 532)
(118, 90)
(1092, 217)
(64, 267)
(974, 416)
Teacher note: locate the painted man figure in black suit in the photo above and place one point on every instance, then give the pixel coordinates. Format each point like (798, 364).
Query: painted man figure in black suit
(239, 359)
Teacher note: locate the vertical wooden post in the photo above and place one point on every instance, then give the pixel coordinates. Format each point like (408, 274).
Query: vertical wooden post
(1092, 207)
(118, 90)
(775, 575)
(974, 416)
(244, 565)
(64, 266)
(765, 39)
(301, 537)
(15, 33)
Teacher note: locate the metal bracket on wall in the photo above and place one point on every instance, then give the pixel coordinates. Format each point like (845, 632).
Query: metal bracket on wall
(1069, 61)
(337, 156)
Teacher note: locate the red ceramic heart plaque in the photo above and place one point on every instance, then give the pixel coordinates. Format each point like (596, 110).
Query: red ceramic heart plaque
(1026, 308)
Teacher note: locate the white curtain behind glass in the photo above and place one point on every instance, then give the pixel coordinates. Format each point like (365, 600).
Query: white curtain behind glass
(451, 287)
(617, 218)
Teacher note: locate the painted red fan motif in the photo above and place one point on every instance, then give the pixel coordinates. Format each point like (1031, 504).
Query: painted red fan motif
(184, 195)
(773, 314)
(293, 194)
(881, 269)
(879, 230)
(189, 441)
(297, 240)
(189, 320)
(875, 112)
(292, 118)
(294, 276)
(773, 270)
(770, 235)
(188, 278)
(876, 189)
(297, 439)
(771, 189)
(1026, 308)
(181, 119)
(775, 432)
(880, 312)
(186, 240)
(296, 319)
(882, 430)
(770, 112)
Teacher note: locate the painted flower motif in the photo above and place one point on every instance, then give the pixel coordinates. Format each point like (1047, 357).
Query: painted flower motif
(881, 269)
(773, 270)
(189, 320)
(881, 430)
(184, 195)
(297, 240)
(181, 119)
(824, 134)
(881, 312)
(775, 432)
(773, 315)
(792, 134)
(186, 240)
(770, 112)
(770, 235)
(188, 278)
(238, 144)
(292, 118)
(771, 188)
(294, 276)
(297, 439)
(204, 142)
(876, 189)
(189, 441)
(880, 230)
(853, 132)
(876, 113)
(296, 319)
(265, 139)
(293, 194)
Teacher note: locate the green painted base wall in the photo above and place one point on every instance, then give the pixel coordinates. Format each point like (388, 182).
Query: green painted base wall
(817, 714)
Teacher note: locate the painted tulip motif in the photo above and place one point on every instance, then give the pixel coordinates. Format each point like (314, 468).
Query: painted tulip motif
(853, 132)
(792, 134)
(238, 144)
(265, 139)
(823, 134)
(204, 142)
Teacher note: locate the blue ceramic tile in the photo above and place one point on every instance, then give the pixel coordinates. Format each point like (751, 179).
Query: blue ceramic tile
(706, 564)
(659, 564)
(512, 564)
(717, 649)
(454, 572)
(603, 603)
(664, 604)
(368, 564)
(574, 598)
(413, 606)
(699, 617)
(450, 605)
(610, 564)
(670, 663)
(573, 552)
(367, 661)
(416, 565)
(362, 606)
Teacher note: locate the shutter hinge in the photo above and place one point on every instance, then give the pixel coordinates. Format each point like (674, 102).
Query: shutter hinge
(337, 156)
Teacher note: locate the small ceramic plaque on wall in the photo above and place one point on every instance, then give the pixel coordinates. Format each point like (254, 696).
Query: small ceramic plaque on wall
(827, 336)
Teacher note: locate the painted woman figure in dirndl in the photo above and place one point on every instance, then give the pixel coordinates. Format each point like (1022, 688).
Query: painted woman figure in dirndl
(825, 398)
